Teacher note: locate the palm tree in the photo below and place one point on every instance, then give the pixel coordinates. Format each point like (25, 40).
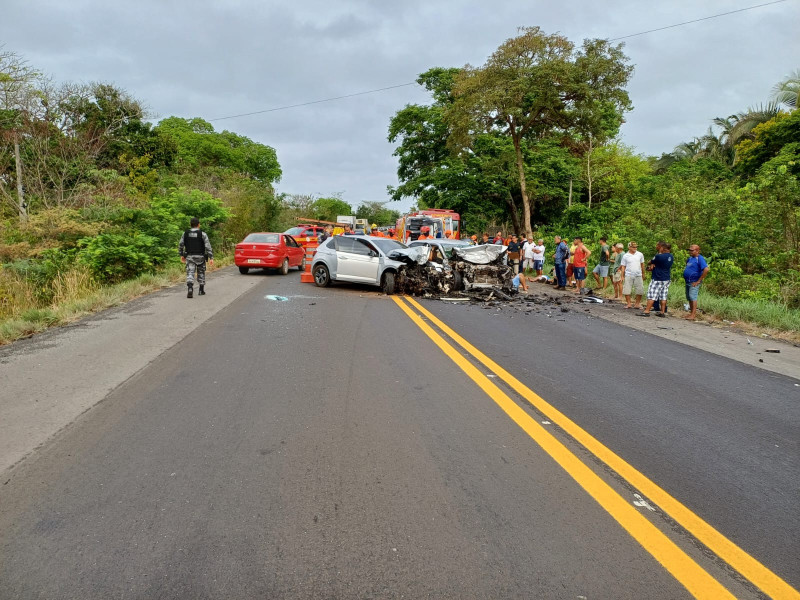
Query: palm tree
(734, 129)
(744, 122)
(788, 91)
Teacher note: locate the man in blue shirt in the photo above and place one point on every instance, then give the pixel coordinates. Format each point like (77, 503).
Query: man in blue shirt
(560, 257)
(657, 291)
(695, 271)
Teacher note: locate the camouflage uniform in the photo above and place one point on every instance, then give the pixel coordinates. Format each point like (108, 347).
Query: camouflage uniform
(196, 263)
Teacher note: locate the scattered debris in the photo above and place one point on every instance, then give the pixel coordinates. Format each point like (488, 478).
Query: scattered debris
(276, 298)
(642, 503)
(665, 327)
(772, 350)
(749, 343)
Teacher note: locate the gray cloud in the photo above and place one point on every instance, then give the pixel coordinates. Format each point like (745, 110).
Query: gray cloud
(213, 59)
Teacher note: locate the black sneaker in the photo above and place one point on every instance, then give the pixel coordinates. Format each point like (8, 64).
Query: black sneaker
(644, 314)
(202, 291)
(189, 293)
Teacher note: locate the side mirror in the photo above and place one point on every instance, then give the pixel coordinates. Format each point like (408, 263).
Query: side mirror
(373, 254)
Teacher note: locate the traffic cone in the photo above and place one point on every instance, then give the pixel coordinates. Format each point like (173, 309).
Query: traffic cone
(311, 250)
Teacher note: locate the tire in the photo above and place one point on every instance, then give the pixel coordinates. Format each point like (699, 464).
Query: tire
(387, 283)
(285, 267)
(244, 270)
(322, 277)
(302, 266)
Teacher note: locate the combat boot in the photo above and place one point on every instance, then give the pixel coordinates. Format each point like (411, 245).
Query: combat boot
(202, 290)
(190, 293)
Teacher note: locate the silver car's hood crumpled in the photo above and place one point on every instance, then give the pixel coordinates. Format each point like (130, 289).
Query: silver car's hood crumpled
(417, 254)
(479, 255)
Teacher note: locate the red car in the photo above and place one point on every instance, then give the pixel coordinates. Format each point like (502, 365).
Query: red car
(305, 233)
(269, 251)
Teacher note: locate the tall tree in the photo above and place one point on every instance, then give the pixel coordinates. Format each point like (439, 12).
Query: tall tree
(16, 91)
(377, 212)
(200, 146)
(534, 85)
(327, 209)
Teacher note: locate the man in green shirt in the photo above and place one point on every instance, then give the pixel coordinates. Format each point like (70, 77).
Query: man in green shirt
(601, 270)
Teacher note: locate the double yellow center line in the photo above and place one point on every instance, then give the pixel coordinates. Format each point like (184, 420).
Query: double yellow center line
(691, 575)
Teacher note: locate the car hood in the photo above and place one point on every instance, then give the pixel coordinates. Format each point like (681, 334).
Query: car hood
(408, 256)
(479, 255)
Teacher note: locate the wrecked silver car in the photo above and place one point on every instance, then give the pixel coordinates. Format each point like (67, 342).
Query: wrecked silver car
(431, 270)
(483, 266)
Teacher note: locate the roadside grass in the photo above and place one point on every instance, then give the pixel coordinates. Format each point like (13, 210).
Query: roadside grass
(77, 296)
(760, 316)
(740, 310)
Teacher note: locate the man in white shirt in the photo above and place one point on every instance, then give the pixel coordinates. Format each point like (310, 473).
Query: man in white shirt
(527, 254)
(632, 270)
(534, 255)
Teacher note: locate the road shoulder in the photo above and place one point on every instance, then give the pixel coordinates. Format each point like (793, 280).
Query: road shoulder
(48, 380)
(722, 341)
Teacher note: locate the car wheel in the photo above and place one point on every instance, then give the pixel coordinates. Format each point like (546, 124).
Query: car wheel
(302, 266)
(322, 277)
(244, 270)
(388, 283)
(285, 267)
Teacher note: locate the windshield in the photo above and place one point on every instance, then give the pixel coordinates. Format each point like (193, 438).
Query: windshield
(446, 245)
(387, 246)
(263, 238)
(448, 248)
(295, 231)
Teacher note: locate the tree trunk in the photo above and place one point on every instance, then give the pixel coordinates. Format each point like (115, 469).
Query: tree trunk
(569, 202)
(21, 204)
(526, 203)
(512, 207)
(589, 171)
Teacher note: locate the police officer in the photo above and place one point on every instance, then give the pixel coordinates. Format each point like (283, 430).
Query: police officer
(194, 248)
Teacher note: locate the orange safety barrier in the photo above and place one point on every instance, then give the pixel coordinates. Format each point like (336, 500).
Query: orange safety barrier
(311, 250)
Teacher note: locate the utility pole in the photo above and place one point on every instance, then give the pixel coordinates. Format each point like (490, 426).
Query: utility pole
(23, 206)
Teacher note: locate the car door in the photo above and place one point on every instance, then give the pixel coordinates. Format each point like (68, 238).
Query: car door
(294, 251)
(345, 255)
(366, 260)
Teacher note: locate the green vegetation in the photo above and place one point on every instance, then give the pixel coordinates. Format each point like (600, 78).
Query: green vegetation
(527, 142)
(92, 195)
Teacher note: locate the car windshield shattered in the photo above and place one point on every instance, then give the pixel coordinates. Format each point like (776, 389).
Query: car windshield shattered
(263, 238)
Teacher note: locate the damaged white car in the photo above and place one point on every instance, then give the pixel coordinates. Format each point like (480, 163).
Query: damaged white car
(437, 267)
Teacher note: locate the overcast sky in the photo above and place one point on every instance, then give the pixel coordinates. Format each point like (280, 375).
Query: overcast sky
(218, 58)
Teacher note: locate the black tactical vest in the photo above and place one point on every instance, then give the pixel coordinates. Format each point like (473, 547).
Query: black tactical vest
(193, 243)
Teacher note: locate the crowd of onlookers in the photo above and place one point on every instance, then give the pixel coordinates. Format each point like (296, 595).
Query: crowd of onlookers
(625, 270)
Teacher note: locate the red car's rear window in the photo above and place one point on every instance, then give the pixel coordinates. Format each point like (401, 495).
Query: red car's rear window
(263, 238)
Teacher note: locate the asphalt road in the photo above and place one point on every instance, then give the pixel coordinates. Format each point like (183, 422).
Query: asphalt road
(325, 447)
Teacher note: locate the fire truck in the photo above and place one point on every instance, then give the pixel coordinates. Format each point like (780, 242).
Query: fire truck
(440, 221)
